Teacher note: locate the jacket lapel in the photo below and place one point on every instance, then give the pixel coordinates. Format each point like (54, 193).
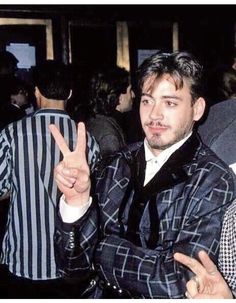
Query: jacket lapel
(173, 171)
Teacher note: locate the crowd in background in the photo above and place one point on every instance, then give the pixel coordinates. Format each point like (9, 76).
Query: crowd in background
(107, 100)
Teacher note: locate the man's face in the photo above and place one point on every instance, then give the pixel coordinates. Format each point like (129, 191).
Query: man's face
(167, 115)
(126, 100)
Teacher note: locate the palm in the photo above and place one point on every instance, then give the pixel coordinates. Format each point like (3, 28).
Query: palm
(211, 283)
(72, 174)
(214, 286)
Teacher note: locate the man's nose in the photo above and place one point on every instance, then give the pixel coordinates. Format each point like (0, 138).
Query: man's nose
(156, 111)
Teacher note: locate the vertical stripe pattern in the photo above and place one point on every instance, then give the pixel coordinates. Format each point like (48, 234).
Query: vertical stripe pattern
(28, 155)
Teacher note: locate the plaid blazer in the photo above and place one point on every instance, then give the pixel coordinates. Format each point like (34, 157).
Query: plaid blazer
(125, 242)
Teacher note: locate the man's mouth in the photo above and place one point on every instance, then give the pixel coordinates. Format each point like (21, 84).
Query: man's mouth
(157, 127)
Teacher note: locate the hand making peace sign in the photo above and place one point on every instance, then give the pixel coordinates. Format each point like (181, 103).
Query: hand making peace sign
(208, 282)
(72, 174)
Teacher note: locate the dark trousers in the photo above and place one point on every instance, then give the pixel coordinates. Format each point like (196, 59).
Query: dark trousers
(13, 287)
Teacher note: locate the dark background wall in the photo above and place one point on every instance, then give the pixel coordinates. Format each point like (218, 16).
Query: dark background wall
(206, 30)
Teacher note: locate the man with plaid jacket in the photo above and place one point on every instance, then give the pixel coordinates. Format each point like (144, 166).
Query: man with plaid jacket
(167, 194)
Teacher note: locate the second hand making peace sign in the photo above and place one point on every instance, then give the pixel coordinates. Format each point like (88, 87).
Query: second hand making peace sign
(208, 282)
(72, 173)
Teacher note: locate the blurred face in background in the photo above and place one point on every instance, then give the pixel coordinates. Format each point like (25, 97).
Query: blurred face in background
(126, 101)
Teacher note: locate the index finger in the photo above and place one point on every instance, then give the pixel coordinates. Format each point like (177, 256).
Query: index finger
(194, 265)
(59, 139)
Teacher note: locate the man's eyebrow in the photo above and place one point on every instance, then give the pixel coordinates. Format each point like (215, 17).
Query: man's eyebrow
(172, 97)
(147, 95)
(163, 97)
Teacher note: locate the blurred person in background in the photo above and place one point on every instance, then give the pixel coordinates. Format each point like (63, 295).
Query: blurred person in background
(109, 97)
(28, 155)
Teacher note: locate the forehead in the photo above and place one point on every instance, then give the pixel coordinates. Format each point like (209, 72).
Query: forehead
(152, 82)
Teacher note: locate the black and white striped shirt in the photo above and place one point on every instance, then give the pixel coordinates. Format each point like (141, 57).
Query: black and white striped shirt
(28, 155)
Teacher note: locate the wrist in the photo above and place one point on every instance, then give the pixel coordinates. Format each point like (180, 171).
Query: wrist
(78, 199)
(71, 214)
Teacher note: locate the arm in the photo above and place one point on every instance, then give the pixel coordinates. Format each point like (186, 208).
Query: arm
(75, 241)
(210, 283)
(154, 273)
(151, 273)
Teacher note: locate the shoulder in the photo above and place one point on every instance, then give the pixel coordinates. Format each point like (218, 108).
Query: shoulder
(121, 158)
(224, 107)
(209, 171)
(99, 120)
(197, 156)
(104, 124)
(210, 158)
(221, 117)
(215, 165)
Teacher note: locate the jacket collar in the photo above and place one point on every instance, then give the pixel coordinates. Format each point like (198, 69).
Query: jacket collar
(172, 172)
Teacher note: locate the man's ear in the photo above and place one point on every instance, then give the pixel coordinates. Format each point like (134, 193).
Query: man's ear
(37, 96)
(199, 108)
(70, 94)
(37, 92)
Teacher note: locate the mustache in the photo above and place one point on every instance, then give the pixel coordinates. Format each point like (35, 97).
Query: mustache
(155, 124)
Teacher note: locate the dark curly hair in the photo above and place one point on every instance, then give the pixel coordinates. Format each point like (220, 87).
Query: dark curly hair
(106, 85)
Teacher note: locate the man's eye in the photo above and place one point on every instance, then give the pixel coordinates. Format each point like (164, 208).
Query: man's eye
(171, 103)
(147, 101)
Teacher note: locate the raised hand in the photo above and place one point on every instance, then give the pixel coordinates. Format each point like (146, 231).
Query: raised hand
(72, 173)
(208, 283)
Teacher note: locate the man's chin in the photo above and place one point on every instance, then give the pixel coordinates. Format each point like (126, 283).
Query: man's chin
(156, 145)
(159, 145)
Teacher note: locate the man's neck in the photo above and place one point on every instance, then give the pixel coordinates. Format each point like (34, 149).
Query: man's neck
(167, 151)
(53, 104)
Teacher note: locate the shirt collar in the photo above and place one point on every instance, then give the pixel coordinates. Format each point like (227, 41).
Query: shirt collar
(165, 154)
(45, 111)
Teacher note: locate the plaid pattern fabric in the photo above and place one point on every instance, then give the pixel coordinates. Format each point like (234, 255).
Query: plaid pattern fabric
(190, 195)
(227, 256)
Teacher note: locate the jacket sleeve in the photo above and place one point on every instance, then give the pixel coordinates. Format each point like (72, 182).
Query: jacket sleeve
(93, 152)
(74, 245)
(154, 273)
(140, 271)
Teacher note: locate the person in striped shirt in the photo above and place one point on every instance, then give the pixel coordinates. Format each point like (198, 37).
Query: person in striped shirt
(28, 155)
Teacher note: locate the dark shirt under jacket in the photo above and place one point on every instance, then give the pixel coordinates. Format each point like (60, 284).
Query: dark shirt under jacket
(141, 227)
